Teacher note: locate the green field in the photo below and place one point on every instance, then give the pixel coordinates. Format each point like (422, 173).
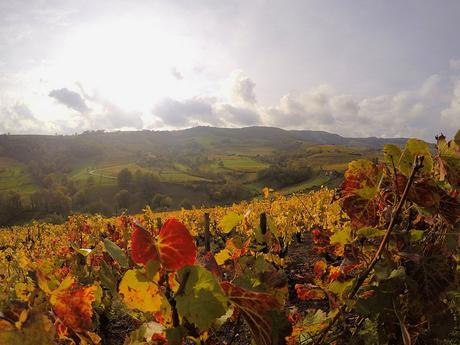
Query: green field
(13, 177)
(315, 182)
(242, 163)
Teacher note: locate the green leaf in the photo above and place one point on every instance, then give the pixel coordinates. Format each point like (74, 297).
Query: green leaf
(416, 235)
(415, 147)
(281, 328)
(175, 335)
(374, 304)
(397, 273)
(202, 300)
(338, 287)
(116, 253)
(230, 221)
(370, 232)
(392, 154)
(272, 227)
(152, 268)
(342, 236)
(107, 278)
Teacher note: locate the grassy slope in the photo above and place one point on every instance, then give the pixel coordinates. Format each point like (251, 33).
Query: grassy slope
(14, 177)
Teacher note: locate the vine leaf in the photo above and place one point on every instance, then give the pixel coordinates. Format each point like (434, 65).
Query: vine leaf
(258, 310)
(448, 161)
(426, 193)
(116, 253)
(72, 304)
(360, 190)
(38, 328)
(413, 148)
(139, 292)
(143, 248)
(230, 221)
(201, 300)
(309, 292)
(176, 245)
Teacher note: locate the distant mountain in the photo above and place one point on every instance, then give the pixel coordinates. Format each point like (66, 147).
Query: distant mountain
(126, 143)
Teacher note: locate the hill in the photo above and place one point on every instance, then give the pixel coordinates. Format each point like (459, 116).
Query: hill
(168, 169)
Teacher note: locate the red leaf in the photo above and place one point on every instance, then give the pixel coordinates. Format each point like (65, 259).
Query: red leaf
(143, 246)
(255, 308)
(176, 245)
(361, 194)
(362, 212)
(210, 263)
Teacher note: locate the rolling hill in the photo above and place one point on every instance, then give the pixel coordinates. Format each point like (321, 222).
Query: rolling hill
(205, 164)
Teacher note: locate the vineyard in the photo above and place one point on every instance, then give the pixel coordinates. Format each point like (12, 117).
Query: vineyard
(376, 262)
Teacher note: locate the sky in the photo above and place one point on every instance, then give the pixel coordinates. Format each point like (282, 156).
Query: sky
(352, 67)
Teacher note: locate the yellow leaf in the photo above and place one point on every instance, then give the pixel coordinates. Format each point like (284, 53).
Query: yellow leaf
(266, 191)
(22, 291)
(222, 256)
(94, 337)
(22, 318)
(43, 282)
(140, 293)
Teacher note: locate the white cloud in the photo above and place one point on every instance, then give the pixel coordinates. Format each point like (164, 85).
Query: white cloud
(242, 88)
(18, 119)
(450, 117)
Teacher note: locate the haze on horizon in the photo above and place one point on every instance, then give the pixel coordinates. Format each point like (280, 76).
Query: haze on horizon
(356, 68)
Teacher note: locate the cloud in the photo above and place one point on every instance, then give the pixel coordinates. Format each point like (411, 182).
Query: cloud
(103, 114)
(451, 115)
(243, 88)
(424, 111)
(71, 99)
(113, 117)
(18, 119)
(237, 116)
(189, 112)
(203, 111)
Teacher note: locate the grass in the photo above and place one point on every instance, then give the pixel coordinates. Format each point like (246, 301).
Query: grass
(178, 177)
(242, 164)
(13, 177)
(308, 184)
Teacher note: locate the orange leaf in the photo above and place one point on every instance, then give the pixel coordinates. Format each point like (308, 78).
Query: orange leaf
(319, 268)
(72, 304)
(143, 246)
(176, 245)
(309, 292)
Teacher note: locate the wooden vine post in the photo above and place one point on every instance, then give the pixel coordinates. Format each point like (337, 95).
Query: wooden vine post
(207, 234)
(263, 230)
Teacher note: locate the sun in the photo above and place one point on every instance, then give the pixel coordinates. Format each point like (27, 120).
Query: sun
(129, 61)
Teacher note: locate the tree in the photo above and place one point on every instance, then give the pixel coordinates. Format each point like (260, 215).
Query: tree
(185, 203)
(124, 178)
(123, 198)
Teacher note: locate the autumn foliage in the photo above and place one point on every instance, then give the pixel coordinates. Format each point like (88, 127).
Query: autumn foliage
(126, 280)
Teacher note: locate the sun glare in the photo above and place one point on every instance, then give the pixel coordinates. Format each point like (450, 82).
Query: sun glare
(127, 61)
